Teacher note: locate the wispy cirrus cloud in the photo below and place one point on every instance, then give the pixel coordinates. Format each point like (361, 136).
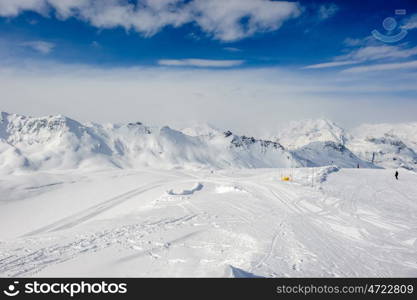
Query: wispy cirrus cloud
(383, 67)
(232, 49)
(327, 10)
(369, 50)
(331, 64)
(39, 46)
(361, 42)
(201, 63)
(379, 52)
(367, 54)
(220, 19)
(410, 23)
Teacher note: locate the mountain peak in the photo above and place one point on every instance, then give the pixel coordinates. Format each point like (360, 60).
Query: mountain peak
(3, 115)
(201, 129)
(314, 124)
(300, 133)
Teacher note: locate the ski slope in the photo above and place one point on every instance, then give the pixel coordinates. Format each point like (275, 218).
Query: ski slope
(209, 223)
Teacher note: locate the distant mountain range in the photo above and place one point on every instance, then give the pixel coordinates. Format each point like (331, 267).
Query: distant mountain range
(383, 145)
(58, 142)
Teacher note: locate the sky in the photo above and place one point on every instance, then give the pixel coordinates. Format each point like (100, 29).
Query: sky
(247, 65)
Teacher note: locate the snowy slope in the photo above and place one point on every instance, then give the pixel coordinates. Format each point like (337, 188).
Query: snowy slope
(133, 200)
(195, 223)
(329, 153)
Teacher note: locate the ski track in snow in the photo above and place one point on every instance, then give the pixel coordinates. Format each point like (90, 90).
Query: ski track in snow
(25, 262)
(91, 212)
(273, 229)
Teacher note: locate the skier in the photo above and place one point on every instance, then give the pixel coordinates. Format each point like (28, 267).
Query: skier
(396, 175)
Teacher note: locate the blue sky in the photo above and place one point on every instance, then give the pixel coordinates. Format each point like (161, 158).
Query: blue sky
(311, 37)
(286, 60)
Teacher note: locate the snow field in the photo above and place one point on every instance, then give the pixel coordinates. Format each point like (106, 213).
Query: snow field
(233, 223)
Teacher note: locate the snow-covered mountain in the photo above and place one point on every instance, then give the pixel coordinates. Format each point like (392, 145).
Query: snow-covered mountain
(199, 129)
(92, 209)
(300, 133)
(329, 153)
(407, 132)
(58, 142)
(387, 145)
(383, 145)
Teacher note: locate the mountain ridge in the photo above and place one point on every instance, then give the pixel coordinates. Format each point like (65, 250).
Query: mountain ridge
(59, 142)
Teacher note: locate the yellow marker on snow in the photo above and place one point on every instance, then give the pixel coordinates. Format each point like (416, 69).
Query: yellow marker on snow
(286, 178)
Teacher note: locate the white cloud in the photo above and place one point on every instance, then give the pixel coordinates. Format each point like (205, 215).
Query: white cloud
(194, 62)
(410, 23)
(40, 46)
(328, 10)
(223, 19)
(366, 54)
(232, 49)
(383, 67)
(331, 64)
(218, 18)
(356, 42)
(351, 42)
(15, 7)
(378, 52)
(247, 100)
(95, 44)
